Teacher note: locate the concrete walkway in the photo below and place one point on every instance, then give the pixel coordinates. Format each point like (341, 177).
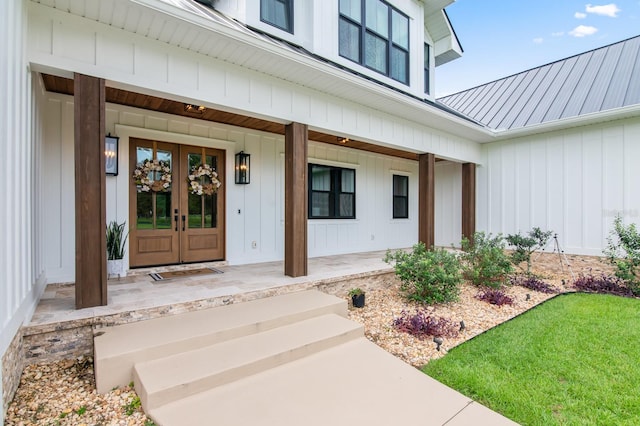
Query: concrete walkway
(293, 359)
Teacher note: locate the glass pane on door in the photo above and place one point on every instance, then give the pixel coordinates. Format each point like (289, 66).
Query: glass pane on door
(202, 199)
(153, 189)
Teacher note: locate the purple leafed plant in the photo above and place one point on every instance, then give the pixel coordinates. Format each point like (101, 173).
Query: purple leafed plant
(533, 283)
(422, 325)
(495, 297)
(604, 284)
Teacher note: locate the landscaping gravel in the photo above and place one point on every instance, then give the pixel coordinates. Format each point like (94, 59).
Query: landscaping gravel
(63, 393)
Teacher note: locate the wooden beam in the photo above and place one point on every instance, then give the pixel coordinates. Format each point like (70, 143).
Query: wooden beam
(426, 199)
(89, 129)
(295, 200)
(468, 200)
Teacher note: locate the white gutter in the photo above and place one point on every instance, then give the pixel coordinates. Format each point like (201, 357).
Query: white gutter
(568, 123)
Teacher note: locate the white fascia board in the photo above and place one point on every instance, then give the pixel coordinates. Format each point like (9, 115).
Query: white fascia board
(568, 123)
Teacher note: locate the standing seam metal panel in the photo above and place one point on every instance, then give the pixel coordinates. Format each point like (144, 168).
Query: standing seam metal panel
(602, 82)
(510, 85)
(585, 84)
(566, 91)
(543, 93)
(520, 89)
(621, 79)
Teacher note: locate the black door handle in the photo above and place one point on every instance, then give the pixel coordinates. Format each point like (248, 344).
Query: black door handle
(184, 220)
(175, 218)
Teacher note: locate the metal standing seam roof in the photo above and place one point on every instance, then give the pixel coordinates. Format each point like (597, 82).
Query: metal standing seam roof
(598, 80)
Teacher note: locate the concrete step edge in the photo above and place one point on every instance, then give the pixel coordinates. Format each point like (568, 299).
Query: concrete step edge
(113, 368)
(165, 380)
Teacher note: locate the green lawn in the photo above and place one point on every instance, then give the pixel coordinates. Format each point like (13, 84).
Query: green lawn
(574, 360)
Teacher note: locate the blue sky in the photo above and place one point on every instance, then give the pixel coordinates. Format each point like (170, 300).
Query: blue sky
(504, 37)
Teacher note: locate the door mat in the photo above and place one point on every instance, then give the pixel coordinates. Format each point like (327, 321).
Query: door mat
(163, 276)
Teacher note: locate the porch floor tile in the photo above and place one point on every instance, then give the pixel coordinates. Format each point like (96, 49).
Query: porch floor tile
(139, 291)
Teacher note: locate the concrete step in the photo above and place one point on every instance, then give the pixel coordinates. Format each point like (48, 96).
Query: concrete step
(171, 378)
(120, 347)
(356, 383)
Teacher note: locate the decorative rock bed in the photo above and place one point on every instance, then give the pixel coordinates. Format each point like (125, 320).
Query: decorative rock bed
(64, 393)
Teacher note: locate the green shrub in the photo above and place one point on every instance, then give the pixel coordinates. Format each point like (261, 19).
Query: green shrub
(525, 245)
(484, 260)
(623, 252)
(428, 276)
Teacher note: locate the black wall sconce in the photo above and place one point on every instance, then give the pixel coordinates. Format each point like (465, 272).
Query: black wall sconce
(111, 155)
(243, 161)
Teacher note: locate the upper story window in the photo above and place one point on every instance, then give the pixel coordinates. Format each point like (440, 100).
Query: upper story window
(376, 35)
(278, 13)
(426, 68)
(332, 192)
(400, 197)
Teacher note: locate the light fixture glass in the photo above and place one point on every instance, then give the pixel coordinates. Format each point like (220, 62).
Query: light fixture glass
(198, 109)
(242, 168)
(111, 155)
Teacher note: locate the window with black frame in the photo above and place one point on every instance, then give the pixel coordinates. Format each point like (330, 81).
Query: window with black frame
(376, 35)
(427, 80)
(332, 192)
(400, 197)
(278, 13)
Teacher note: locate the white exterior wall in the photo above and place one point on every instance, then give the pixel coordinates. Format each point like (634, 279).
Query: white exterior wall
(61, 41)
(316, 29)
(573, 182)
(448, 208)
(21, 279)
(261, 203)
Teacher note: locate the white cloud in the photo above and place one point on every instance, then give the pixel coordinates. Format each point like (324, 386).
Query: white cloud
(538, 40)
(610, 10)
(583, 31)
(557, 34)
(580, 15)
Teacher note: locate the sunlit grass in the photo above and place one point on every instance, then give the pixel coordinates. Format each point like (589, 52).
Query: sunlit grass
(574, 360)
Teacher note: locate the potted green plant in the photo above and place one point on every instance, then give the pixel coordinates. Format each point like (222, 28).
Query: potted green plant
(116, 238)
(357, 297)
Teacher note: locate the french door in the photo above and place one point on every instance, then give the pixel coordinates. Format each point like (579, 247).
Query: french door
(176, 203)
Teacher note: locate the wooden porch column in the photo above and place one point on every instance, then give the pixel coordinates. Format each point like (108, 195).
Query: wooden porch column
(295, 200)
(426, 199)
(91, 245)
(468, 200)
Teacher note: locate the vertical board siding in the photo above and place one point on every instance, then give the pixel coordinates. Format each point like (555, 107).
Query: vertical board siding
(572, 182)
(448, 208)
(20, 225)
(261, 203)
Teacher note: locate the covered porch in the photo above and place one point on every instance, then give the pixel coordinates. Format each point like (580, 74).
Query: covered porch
(138, 296)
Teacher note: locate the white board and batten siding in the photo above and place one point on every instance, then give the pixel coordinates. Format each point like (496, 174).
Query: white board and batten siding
(254, 212)
(574, 182)
(21, 254)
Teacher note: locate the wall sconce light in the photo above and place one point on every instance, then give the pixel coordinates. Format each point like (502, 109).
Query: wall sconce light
(343, 140)
(111, 155)
(242, 168)
(197, 109)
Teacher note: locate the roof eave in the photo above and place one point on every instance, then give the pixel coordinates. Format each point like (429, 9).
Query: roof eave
(630, 111)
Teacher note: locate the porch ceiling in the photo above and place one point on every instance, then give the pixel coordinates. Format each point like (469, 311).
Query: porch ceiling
(124, 97)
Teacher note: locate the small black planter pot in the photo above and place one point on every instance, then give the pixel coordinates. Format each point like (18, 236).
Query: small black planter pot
(358, 300)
